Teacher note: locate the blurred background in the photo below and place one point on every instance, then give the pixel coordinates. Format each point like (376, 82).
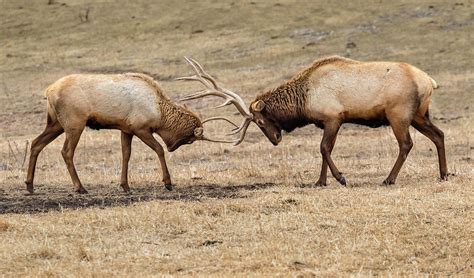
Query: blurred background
(249, 46)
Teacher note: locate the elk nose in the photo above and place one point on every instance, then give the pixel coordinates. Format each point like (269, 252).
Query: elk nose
(278, 137)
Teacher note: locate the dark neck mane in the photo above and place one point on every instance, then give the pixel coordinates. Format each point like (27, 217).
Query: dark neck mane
(286, 104)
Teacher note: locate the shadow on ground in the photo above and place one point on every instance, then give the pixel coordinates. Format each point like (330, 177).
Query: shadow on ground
(55, 199)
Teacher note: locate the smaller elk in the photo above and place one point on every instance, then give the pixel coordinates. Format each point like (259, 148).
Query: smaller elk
(336, 90)
(132, 102)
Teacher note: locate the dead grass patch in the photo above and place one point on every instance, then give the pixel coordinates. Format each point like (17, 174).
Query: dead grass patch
(250, 210)
(4, 226)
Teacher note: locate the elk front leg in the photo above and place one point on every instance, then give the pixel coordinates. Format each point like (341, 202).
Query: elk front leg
(327, 144)
(126, 140)
(324, 167)
(147, 137)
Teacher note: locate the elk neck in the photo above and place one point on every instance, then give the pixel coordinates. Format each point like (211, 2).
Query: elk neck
(176, 119)
(285, 105)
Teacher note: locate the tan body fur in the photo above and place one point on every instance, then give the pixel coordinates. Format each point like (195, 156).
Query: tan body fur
(366, 91)
(132, 103)
(336, 90)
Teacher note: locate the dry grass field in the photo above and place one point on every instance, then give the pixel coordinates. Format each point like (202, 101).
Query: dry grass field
(250, 210)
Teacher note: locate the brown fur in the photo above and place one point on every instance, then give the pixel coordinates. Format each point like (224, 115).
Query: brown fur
(336, 90)
(97, 101)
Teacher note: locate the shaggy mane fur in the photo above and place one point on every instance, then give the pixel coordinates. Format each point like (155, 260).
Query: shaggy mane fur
(286, 103)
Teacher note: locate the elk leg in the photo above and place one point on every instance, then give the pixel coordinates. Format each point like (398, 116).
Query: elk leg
(147, 137)
(72, 138)
(51, 132)
(424, 125)
(324, 167)
(405, 144)
(126, 140)
(327, 144)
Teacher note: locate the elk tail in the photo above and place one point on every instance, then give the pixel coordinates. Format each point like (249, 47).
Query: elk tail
(434, 84)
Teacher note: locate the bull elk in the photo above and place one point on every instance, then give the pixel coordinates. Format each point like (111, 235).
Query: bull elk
(336, 90)
(133, 103)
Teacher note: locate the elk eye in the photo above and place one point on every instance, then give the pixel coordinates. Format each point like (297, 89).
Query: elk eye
(260, 122)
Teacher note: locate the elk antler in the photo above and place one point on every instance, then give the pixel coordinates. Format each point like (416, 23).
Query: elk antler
(213, 89)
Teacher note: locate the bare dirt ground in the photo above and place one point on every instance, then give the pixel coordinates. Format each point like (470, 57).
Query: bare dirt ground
(246, 210)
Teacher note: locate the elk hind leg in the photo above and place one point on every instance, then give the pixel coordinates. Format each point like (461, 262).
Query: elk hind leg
(424, 126)
(52, 131)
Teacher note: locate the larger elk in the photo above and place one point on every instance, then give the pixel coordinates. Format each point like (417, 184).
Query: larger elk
(336, 90)
(133, 103)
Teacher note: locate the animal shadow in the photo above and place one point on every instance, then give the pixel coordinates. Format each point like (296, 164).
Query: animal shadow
(48, 198)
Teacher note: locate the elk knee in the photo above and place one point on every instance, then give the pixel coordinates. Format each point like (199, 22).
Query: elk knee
(67, 154)
(35, 149)
(325, 149)
(439, 139)
(64, 153)
(160, 151)
(406, 146)
(440, 134)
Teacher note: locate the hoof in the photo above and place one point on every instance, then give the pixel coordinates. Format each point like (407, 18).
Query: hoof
(387, 183)
(82, 190)
(29, 187)
(320, 184)
(445, 176)
(169, 187)
(125, 188)
(342, 180)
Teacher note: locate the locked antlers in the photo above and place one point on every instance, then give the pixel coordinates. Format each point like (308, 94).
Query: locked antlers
(213, 89)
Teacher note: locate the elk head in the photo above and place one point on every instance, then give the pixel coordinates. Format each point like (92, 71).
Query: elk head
(256, 113)
(265, 122)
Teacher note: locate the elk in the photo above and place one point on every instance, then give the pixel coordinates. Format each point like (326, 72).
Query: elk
(336, 90)
(132, 103)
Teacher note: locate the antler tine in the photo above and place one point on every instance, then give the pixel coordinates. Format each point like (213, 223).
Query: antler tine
(225, 103)
(203, 93)
(218, 140)
(237, 129)
(245, 125)
(198, 76)
(193, 95)
(194, 78)
(203, 73)
(196, 64)
(197, 68)
(219, 118)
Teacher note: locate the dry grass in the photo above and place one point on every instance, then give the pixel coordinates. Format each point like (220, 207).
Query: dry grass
(246, 210)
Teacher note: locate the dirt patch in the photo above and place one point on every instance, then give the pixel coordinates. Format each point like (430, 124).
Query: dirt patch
(49, 198)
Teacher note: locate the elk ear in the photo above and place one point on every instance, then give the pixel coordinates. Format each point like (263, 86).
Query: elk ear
(198, 131)
(258, 105)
